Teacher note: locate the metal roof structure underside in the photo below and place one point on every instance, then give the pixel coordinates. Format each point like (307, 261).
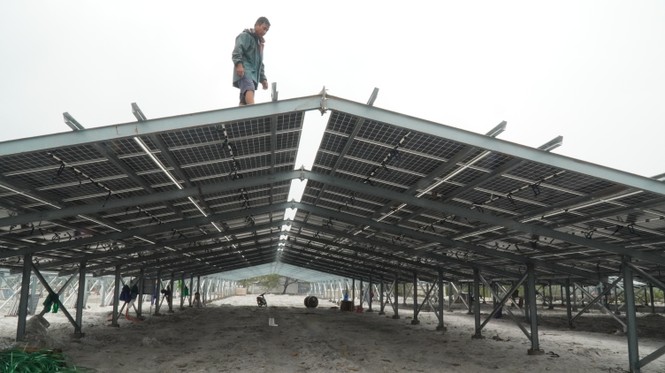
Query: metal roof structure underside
(388, 195)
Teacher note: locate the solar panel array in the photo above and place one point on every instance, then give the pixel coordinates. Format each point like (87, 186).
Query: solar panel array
(383, 199)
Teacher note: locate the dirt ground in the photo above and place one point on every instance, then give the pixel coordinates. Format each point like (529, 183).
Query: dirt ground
(233, 334)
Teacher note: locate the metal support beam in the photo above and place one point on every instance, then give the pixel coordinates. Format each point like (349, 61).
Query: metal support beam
(495, 220)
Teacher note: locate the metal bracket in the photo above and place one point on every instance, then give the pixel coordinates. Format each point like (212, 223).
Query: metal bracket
(324, 101)
(372, 97)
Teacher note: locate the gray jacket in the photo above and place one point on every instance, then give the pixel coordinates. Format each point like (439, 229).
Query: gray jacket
(248, 51)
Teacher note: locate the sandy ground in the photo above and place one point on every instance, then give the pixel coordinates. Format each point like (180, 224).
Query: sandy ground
(233, 335)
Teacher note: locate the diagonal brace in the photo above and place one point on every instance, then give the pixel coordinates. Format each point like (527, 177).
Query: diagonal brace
(54, 295)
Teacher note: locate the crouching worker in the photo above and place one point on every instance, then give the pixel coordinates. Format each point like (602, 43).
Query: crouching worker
(197, 300)
(133, 294)
(167, 296)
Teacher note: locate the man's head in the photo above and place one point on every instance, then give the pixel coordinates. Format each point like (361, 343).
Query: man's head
(261, 26)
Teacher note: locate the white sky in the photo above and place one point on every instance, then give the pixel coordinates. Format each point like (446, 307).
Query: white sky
(591, 71)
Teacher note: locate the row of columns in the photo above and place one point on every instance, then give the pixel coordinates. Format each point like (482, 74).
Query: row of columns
(530, 310)
(209, 289)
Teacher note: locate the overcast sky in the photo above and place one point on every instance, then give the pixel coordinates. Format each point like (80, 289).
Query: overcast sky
(591, 71)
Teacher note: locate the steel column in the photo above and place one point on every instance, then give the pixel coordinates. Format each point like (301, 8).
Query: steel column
(353, 291)
(102, 291)
(533, 315)
(476, 287)
(139, 310)
(191, 288)
(569, 310)
(116, 295)
(371, 295)
(396, 304)
(158, 288)
(25, 294)
(382, 303)
(415, 320)
(404, 293)
(79, 300)
(171, 288)
(361, 289)
(441, 300)
(182, 291)
(629, 295)
(469, 297)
